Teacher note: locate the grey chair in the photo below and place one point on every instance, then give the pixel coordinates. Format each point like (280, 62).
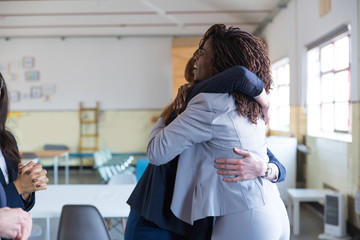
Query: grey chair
(55, 147)
(82, 222)
(26, 157)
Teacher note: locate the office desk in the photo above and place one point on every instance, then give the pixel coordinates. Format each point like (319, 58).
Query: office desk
(110, 200)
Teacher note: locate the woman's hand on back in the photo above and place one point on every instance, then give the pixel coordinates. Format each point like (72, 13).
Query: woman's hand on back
(264, 102)
(267, 112)
(245, 168)
(181, 96)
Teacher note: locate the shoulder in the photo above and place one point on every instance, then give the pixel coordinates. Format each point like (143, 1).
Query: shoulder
(212, 99)
(213, 102)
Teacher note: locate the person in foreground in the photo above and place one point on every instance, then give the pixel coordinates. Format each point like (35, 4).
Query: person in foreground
(203, 132)
(19, 181)
(14, 223)
(150, 216)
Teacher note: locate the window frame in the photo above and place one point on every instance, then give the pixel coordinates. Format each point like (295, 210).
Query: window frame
(345, 135)
(277, 65)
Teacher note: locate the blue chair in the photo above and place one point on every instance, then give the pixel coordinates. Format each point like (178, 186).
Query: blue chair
(141, 165)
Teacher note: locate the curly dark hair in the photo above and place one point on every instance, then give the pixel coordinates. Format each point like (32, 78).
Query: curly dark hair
(232, 46)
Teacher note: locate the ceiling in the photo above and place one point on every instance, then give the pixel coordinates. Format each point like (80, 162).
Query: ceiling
(66, 18)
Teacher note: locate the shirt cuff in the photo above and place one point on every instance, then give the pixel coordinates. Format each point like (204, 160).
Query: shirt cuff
(276, 170)
(30, 197)
(259, 94)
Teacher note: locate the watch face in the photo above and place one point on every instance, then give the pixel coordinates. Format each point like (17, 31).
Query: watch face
(268, 171)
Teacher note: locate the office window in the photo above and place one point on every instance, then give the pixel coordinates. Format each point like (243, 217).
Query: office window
(329, 87)
(280, 95)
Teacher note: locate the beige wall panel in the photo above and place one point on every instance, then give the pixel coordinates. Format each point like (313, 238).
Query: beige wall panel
(120, 131)
(180, 57)
(297, 124)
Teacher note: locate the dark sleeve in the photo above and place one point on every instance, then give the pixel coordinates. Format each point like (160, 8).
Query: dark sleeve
(2, 197)
(29, 204)
(14, 199)
(235, 79)
(282, 170)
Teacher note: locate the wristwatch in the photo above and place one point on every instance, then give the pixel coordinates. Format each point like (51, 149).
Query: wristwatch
(268, 171)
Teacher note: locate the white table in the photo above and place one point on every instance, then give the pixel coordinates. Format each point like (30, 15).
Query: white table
(110, 200)
(298, 195)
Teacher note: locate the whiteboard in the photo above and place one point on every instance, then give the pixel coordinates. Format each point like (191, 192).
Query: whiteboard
(124, 73)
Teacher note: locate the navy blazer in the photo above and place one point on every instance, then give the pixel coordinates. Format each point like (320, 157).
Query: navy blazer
(2, 197)
(14, 199)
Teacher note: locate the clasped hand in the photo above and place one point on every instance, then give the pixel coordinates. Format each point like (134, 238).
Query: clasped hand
(31, 178)
(15, 223)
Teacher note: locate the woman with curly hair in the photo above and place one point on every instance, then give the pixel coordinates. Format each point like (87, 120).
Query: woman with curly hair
(205, 130)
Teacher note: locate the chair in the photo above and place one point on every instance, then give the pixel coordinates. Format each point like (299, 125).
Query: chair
(111, 159)
(82, 222)
(26, 157)
(122, 178)
(109, 166)
(141, 165)
(99, 159)
(105, 171)
(55, 147)
(106, 153)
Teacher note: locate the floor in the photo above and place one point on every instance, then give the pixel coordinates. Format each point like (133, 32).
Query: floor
(311, 220)
(311, 223)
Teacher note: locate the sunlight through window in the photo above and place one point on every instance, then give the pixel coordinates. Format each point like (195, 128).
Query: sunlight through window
(328, 87)
(280, 96)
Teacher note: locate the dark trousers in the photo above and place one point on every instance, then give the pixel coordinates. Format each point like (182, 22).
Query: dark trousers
(138, 228)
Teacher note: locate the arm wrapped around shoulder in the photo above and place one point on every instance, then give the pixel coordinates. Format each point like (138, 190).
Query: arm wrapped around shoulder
(190, 127)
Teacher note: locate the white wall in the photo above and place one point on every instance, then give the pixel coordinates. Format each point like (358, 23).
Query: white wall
(125, 73)
(331, 162)
(311, 27)
(280, 37)
(298, 25)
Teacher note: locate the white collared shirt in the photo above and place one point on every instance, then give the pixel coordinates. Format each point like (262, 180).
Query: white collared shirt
(4, 167)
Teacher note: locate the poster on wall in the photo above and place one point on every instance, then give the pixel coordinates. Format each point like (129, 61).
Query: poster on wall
(28, 62)
(35, 92)
(13, 76)
(14, 96)
(32, 75)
